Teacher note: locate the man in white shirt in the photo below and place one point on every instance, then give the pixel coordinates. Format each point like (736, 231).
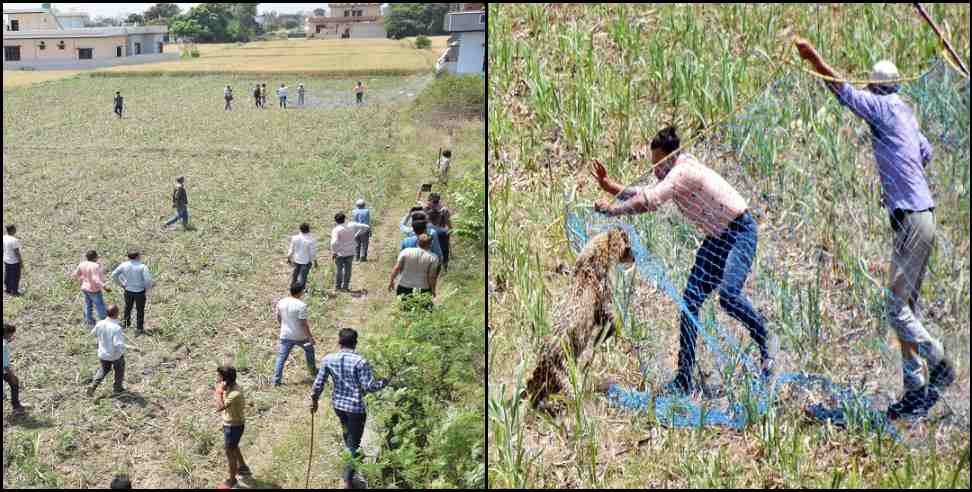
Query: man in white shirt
(12, 262)
(282, 94)
(419, 271)
(134, 277)
(343, 247)
(111, 351)
(302, 253)
(443, 168)
(294, 330)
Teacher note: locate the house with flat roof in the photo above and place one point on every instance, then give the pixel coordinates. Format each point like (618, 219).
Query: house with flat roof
(46, 39)
(466, 52)
(348, 20)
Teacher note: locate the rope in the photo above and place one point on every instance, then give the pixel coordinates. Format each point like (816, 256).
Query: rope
(779, 67)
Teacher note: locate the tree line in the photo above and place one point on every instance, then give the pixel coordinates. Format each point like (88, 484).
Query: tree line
(235, 22)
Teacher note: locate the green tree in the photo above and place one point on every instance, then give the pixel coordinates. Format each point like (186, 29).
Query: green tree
(413, 19)
(135, 19)
(162, 11)
(187, 28)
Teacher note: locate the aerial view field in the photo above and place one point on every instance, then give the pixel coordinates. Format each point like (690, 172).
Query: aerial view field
(76, 177)
(586, 382)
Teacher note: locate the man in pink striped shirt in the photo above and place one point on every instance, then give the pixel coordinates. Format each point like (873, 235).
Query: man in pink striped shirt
(726, 255)
(92, 277)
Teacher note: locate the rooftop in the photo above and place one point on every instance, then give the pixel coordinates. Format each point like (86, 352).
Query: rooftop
(89, 32)
(24, 11)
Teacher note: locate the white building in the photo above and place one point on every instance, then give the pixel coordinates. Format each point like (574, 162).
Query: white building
(45, 39)
(466, 53)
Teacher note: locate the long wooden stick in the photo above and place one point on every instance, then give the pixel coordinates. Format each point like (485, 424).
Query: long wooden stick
(948, 46)
(310, 459)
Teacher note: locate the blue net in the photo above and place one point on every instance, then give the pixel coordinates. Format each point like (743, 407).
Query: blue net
(755, 140)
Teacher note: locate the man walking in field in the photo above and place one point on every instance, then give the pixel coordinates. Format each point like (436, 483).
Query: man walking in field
(300, 94)
(228, 95)
(282, 94)
(343, 248)
(359, 92)
(440, 218)
(231, 402)
(443, 166)
(12, 262)
(118, 103)
(419, 226)
(180, 202)
(419, 270)
(302, 254)
(353, 379)
(256, 96)
(726, 255)
(9, 377)
(263, 96)
(92, 277)
(134, 277)
(111, 351)
(362, 215)
(902, 153)
(294, 330)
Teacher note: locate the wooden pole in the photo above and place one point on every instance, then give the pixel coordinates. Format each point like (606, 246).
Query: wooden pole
(310, 459)
(948, 46)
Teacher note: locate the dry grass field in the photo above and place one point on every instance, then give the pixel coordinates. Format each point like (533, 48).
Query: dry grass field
(330, 57)
(17, 78)
(75, 177)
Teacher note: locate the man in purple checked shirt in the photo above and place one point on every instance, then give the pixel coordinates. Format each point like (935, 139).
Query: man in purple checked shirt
(902, 153)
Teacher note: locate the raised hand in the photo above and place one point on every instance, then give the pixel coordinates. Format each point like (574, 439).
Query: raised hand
(598, 171)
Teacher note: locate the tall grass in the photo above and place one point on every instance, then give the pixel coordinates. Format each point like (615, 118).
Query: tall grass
(569, 83)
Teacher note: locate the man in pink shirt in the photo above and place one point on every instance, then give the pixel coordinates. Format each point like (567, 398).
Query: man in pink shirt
(725, 257)
(92, 277)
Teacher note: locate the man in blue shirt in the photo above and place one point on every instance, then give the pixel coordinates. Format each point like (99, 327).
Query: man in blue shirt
(902, 153)
(353, 379)
(420, 225)
(362, 215)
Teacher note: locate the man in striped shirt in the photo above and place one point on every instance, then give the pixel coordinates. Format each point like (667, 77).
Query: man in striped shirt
(353, 379)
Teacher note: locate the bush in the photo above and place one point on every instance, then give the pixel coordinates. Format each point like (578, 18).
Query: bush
(455, 94)
(432, 427)
(470, 199)
(423, 43)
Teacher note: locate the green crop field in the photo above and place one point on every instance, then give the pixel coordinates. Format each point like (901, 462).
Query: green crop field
(75, 177)
(570, 83)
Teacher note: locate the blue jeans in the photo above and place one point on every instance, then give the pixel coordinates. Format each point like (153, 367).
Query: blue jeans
(352, 426)
(299, 276)
(723, 263)
(285, 347)
(180, 214)
(97, 300)
(342, 274)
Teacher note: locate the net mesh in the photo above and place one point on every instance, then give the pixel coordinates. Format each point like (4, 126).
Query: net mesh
(794, 153)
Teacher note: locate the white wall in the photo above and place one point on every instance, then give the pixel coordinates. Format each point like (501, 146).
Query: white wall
(471, 52)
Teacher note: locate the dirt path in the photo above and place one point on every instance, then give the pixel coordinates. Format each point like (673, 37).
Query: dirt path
(285, 436)
(322, 99)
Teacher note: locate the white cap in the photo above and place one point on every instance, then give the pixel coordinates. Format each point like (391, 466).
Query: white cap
(360, 203)
(884, 71)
